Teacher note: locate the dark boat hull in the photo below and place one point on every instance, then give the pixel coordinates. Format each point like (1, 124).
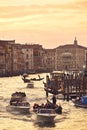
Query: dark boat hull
(79, 104)
(50, 91)
(20, 109)
(35, 79)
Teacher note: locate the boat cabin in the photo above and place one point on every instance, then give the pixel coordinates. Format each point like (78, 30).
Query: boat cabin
(30, 85)
(57, 75)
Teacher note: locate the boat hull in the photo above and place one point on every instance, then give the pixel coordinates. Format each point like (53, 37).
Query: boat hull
(20, 109)
(46, 115)
(34, 79)
(30, 85)
(79, 104)
(45, 118)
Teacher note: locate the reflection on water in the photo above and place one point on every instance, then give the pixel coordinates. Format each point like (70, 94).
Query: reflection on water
(72, 118)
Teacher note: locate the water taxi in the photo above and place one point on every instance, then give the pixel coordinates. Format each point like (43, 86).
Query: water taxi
(18, 103)
(30, 85)
(46, 115)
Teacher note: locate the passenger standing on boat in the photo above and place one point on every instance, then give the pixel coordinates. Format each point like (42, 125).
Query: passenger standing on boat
(54, 99)
(48, 80)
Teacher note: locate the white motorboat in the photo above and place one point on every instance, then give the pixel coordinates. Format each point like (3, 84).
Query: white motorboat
(19, 109)
(19, 103)
(30, 85)
(46, 115)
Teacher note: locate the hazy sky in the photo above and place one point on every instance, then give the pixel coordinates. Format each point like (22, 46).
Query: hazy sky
(47, 22)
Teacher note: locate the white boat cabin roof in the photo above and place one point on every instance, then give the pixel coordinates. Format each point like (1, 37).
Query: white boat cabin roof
(57, 73)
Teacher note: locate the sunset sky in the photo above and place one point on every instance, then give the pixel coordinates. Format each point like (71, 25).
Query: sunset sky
(47, 22)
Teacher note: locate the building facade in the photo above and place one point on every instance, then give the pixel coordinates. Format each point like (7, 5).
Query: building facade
(48, 59)
(11, 56)
(37, 57)
(16, 58)
(70, 57)
(28, 58)
(6, 57)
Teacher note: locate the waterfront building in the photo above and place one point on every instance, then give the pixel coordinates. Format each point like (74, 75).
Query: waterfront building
(70, 57)
(17, 59)
(2, 60)
(6, 57)
(11, 56)
(32, 57)
(28, 58)
(49, 59)
(37, 57)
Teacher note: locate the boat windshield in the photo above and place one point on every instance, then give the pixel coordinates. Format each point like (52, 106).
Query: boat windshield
(46, 111)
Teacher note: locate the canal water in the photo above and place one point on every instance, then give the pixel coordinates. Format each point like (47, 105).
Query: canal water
(72, 118)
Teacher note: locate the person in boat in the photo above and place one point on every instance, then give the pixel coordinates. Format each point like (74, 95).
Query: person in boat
(48, 80)
(59, 109)
(54, 99)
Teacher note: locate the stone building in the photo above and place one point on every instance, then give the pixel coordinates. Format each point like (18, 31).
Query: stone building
(28, 58)
(2, 59)
(48, 59)
(37, 57)
(11, 58)
(6, 57)
(17, 59)
(32, 57)
(70, 57)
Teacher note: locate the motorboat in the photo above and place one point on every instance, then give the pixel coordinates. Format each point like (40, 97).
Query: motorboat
(18, 103)
(36, 79)
(46, 115)
(30, 85)
(20, 109)
(82, 102)
(48, 105)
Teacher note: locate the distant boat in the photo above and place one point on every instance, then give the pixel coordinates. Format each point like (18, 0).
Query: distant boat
(81, 102)
(36, 79)
(30, 85)
(25, 75)
(46, 115)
